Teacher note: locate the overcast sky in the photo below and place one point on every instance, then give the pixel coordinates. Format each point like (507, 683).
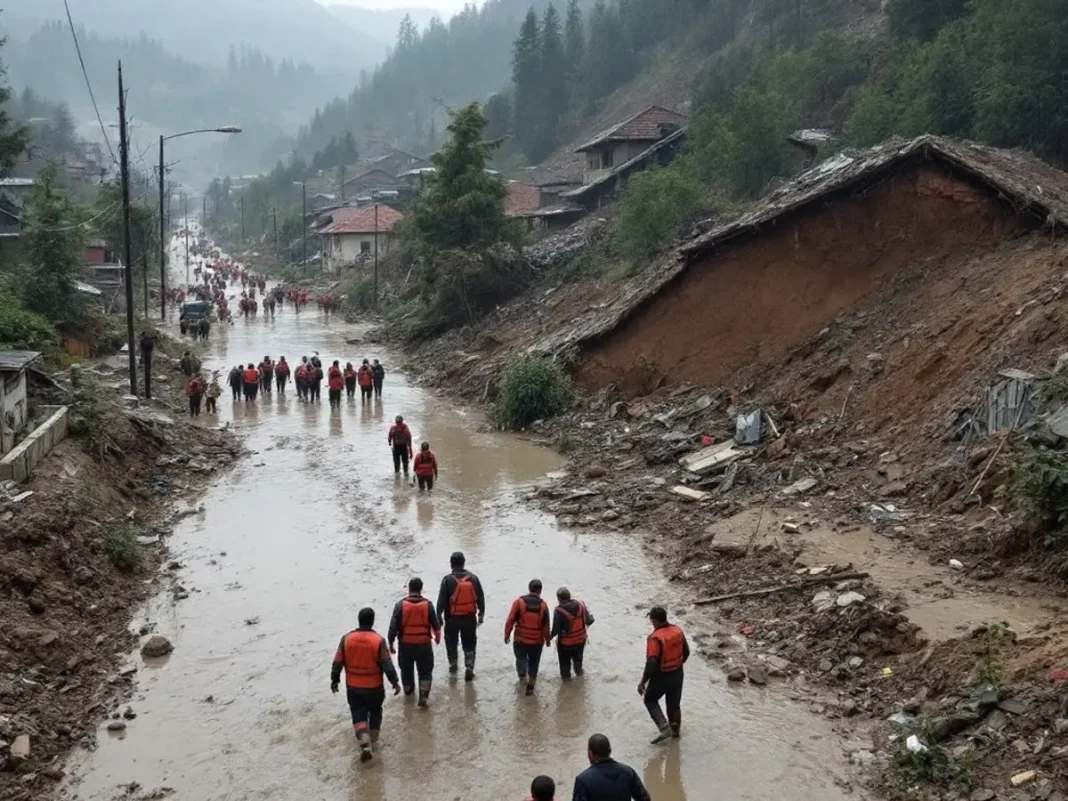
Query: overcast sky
(446, 7)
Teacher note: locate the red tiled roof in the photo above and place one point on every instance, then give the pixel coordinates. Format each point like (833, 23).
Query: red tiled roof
(522, 198)
(362, 220)
(643, 126)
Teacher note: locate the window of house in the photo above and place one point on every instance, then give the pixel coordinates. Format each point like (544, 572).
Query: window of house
(593, 161)
(365, 247)
(607, 160)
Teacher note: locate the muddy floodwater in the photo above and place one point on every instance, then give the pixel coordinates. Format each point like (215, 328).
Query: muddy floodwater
(313, 525)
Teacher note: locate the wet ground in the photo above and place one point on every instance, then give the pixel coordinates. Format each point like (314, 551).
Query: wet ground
(313, 525)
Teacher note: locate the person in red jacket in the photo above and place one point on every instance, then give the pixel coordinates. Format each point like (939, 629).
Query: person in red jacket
(666, 651)
(529, 617)
(425, 467)
(335, 383)
(400, 439)
(195, 392)
(367, 380)
(416, 623)
(281, 373)
(251, 377)
(350, 380)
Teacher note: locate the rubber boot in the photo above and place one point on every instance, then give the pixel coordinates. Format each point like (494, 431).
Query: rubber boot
(454, 666)
(366, 754)
(424, 693)
(530, 687)
(675, 719)
(662, 725)
(408, 690)
(469, 665)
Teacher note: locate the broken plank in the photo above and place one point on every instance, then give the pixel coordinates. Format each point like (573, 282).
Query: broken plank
(796, 585)
(714, 457)
(688, 494)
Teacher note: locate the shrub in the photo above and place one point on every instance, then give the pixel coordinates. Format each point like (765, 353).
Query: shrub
(120, 544)
(655, 204)
(361, 293)
(1039, 483)
(565, 444)
(22, 329)
(990, 669)
(532, 388)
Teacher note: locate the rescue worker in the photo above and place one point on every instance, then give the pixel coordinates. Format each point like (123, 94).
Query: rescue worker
(366, 380)
(666, 650)
(350, 380)
(378, 374)
(281, 373)
(235, 381)
(400, 439)
(571, 620)
(335, 383)
(415, 623)
(462, 603)
(251, 378)
(605, 779)
(425, 467)
(543, 788)
(301, 377)
(364, 656)
(186, 364)
(529, 617)
(194, 390)
(266, 375)
(213, 393)
(315, 379)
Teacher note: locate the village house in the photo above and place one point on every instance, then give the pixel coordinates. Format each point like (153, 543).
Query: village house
(14, 411)
(353, 236)
(371, 181)
(652, 136)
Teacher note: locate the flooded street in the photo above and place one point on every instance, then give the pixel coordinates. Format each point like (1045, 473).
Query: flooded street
(312, 526)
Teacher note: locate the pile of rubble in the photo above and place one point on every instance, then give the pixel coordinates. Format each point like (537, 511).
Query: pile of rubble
(557, 250)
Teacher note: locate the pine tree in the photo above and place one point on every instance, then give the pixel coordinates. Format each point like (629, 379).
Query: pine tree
(574, 51)
(52, 243)
(526, 66)
(12, 136)
(552, 87)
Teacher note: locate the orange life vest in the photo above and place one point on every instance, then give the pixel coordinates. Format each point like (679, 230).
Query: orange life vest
(335, 381)
(424, 464)
(575, 633)
(415, 622)
(361, 651)
(667, 645)
(364, 375)
(464, 599)
(251, 376)
(529, 620)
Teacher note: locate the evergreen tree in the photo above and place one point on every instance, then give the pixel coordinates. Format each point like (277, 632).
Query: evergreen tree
(12, 136)
(526, 66)
(53, 244)
(552, 104)
(574, 51)
(498, 116)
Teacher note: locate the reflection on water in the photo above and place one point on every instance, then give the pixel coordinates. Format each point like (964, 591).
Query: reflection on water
(314, 526)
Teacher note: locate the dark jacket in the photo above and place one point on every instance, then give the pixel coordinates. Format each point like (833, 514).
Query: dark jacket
(378, 372)
(609, 780)
(560, 624)
(395, 619)
(448, 587)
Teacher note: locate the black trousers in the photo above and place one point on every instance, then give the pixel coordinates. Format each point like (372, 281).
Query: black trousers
(378, 388)
(426, 482)
(194, 405)
(236, 389)
(365, 393)
(416, 657)
(366, 707)
(315, 390)
(335, 397)
(280, 381)
(527, 659)
(400, 458)
(570, 656)
(350, 387)
(461, 630)
(212, 407)
(669, 687)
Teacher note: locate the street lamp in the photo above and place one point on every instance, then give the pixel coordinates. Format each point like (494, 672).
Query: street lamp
(304, 218)
(225, 129)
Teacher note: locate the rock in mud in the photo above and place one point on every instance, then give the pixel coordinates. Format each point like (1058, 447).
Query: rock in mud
(156, 646)
(596, 471)
(736, 674)
(20, 749)
(117, 725)
(945, 727)
(982, 794)
(758, 675)
(849, 598)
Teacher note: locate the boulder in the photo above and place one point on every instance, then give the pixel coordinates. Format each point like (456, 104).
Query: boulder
(758, 675)
(20, 749)
(156, 646)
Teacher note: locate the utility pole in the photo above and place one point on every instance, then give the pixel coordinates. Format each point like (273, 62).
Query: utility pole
(376, 255)
(162, 241)
(274, 214)
(242, 218)
(125, 168)
(342, 183)
(185, 227)
(204, 211)
(144, 271)
(304, 220)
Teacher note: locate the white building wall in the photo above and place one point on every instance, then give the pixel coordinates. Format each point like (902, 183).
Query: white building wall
(13, 408)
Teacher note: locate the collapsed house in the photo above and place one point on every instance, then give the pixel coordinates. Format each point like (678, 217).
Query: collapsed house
(919, 249)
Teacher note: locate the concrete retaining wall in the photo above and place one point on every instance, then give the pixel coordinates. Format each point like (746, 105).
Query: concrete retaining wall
(19, 463)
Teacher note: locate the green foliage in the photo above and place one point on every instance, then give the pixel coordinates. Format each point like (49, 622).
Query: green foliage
(991, 670)
(655, 204)
(22, 329)
(1039, 483)
(53, 245)
(12, 135)
(566, 444)
(532, 388)
(360, 293)
(911, 773)
(922, 19)
(120, 545)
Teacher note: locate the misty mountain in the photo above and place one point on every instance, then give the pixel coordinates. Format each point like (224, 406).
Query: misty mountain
(380, 24)
(205, 30)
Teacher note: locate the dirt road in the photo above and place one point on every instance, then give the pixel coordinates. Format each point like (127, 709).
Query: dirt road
(312, 526)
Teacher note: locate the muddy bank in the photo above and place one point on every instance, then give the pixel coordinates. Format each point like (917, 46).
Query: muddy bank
(79, 554)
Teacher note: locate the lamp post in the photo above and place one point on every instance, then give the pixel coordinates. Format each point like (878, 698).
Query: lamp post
(225, 129)
(304, 218)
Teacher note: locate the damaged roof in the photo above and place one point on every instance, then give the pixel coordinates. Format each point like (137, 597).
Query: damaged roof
(1029, 185)
(363, 220)
(645, 126)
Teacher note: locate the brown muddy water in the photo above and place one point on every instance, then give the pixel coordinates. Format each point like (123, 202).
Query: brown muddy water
(312, 526)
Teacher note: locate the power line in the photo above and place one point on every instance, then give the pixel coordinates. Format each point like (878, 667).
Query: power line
(88, 85)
